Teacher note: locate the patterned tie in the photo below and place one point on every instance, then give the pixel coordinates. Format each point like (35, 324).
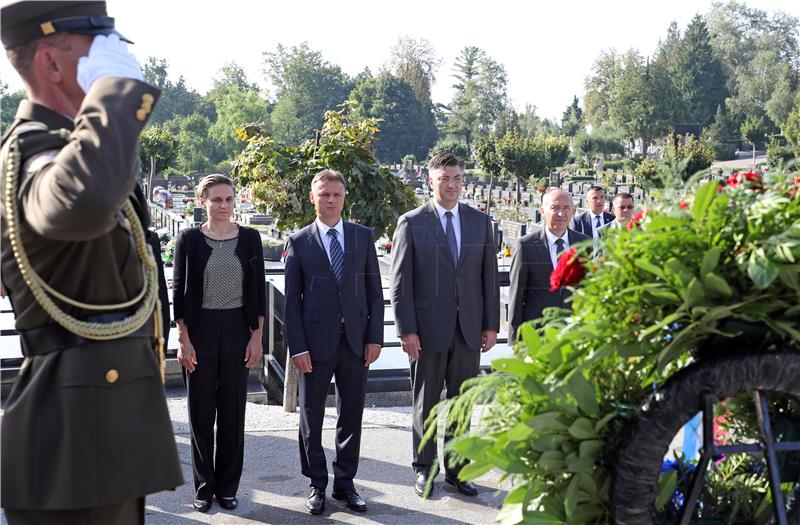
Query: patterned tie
(559, 247)
(337, 257)
(451, 237)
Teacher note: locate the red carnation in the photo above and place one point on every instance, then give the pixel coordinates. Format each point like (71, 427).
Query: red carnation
(569, 270)
(636, 219)
(684, 205)
(733, 180)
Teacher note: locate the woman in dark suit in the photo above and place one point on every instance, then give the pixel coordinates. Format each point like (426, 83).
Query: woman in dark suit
(220, 304)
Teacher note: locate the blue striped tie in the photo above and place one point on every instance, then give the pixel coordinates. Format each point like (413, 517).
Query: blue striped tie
(337, 256)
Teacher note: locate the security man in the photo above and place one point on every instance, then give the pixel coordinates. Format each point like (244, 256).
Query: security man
(86, 433)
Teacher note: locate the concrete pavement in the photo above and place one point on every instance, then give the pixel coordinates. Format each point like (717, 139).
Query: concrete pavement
(273, 491)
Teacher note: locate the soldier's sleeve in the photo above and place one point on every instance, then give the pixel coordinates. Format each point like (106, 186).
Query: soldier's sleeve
(75, 193)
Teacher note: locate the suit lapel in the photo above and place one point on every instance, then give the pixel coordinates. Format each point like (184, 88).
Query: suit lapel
(436, 226)
(315, 242)
(543, 249)
(349, 248)
(468, 230)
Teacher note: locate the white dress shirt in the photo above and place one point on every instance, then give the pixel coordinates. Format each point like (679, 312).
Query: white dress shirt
(326, 239)
(441, 210)
(551, 244)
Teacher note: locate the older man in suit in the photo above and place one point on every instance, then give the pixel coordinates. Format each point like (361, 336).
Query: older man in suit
(445, 295)
(534, 258)
(591, 222)
(334, 327)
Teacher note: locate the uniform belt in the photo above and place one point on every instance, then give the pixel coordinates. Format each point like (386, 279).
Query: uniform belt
(53, 337)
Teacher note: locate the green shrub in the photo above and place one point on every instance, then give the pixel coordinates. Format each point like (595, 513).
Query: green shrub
(724, 151)
(777, 154)
(613, 164)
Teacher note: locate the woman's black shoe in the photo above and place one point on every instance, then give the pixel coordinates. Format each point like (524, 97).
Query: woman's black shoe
(201, 505)
(228, 503)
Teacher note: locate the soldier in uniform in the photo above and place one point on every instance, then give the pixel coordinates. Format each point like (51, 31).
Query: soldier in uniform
(86, 433)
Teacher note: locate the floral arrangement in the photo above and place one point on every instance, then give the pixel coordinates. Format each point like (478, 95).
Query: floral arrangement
(553, 414)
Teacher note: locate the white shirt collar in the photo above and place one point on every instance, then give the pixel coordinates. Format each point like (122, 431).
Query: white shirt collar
(323, 228)
(551, 237)
(441, 210)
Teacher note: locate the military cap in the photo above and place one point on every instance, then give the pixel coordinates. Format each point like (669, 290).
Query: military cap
(22, 22)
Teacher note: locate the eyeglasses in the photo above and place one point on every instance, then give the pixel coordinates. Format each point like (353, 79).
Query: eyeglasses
(625, 207)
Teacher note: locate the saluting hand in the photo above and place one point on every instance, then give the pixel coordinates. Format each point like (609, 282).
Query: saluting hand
(488, 340)
(186, 355)
(371, 354)
(254, 350)
(411, 345)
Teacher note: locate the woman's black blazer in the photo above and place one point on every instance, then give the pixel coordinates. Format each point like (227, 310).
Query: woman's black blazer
(191, 256)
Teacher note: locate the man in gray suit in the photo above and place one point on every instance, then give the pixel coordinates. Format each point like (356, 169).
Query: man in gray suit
(445, 295)
(534, 259)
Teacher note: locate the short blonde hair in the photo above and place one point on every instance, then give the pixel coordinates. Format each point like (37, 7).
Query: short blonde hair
(212, 180)
(331, 175)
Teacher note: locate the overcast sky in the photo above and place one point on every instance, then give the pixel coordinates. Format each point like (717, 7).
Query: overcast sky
(547, 47)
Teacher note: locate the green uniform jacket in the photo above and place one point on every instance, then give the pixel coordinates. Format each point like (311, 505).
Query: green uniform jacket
(87, 425)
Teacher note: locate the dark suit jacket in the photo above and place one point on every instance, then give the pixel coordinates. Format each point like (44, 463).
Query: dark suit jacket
(429, 293)
(531, 267)
(316, 302)
(583, 222)
(191, 256)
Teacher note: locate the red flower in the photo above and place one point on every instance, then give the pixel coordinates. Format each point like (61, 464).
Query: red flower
(684, 205)
(569, 270)
(733, 180)
(753, 180)
(636, 219)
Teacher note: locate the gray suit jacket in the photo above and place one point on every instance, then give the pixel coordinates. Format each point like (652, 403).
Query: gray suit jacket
(430, 293)
(531, 267)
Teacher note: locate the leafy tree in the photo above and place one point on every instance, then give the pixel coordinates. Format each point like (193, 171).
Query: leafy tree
(508, 120)
(406, 124)
(489, 160)
(525, 157)
(237, 103)
(699, 154)
(643, 100)
(698, 74)
(459, 149)
(197, 150)
(572, 120)
(8, 107)
(416, 62)
(279, 175)
(780, 102)
(306, 86)
(597, 101)
(159, 144)
(754, 133)
(480, 95)
(177, 99)
(531, 124)
(607, 139)
(791, 128)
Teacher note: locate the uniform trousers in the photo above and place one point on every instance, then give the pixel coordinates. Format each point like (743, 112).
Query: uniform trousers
(127, 512)
(429, 374)
(217, 390)
(351, 388)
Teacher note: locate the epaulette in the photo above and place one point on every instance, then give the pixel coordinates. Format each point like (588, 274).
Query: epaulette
(35, 137)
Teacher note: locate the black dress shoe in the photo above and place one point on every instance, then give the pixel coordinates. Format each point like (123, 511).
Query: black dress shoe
(201, 505)
(467, 488)
(354, 501)
(420, 483)
(228, 503)
(316, 500)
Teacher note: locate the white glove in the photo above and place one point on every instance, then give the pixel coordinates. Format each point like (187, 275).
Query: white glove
(108, 57)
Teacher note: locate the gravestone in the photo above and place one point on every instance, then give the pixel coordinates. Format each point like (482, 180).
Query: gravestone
(512, 231)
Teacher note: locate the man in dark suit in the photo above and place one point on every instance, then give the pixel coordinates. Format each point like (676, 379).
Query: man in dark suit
(534, 259)
(592, 221)
(623, 207)
(334, 327)
(445, 295)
